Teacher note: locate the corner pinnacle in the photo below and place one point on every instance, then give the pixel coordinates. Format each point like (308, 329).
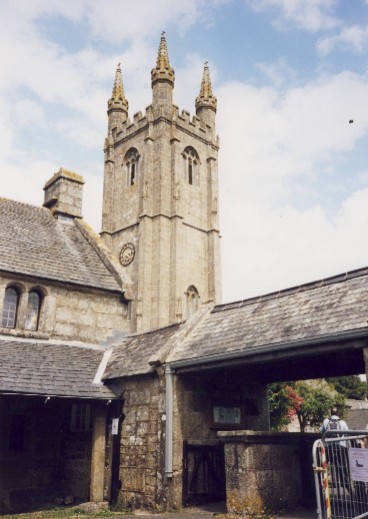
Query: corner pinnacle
(163, 69)
(118, 99)
(205, 97)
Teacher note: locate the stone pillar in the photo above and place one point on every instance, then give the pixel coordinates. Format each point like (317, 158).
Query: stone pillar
(264, 471)
(98, 455)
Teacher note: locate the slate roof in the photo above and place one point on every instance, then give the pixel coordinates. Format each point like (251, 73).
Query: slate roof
(313, 312)
(310, 312)
(34, 243)
(131, 355)
(50, 369)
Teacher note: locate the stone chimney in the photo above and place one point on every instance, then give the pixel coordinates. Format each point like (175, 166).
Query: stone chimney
(63, 194)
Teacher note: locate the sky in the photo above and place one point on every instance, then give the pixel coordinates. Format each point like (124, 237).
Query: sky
(291, 80)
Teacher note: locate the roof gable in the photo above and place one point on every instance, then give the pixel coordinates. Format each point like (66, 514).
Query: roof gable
(34, 243)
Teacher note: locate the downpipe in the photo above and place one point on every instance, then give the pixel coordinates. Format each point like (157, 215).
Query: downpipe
(169, 376)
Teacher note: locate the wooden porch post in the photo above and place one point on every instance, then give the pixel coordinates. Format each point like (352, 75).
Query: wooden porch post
(98, 455)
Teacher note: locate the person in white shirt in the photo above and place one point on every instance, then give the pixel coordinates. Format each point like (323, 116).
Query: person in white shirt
(334, 423)
(337, 452)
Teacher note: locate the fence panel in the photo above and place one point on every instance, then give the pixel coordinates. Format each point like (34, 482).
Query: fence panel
(340, 464)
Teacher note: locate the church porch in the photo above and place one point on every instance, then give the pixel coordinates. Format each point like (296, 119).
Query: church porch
(224, 403)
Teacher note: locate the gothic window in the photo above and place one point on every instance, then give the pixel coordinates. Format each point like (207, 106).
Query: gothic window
(192, 300)
(33, 310)
(131, 163)
(10, 307)
(191, 163)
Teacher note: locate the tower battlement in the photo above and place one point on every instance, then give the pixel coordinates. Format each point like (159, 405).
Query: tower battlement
(179, 120)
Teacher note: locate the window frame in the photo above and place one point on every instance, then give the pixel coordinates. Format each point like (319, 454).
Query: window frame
(81, 417)
(131, 160)
(191, 166)
(192, 300)
(8, 310)
(35, 328)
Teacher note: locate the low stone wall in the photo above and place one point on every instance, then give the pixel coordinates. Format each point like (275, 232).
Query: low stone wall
(267, 471)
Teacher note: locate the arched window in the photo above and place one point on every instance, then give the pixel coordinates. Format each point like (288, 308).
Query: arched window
(10, 307)
(131, 162)
(191, 163)
(33, 310)
(192, 300)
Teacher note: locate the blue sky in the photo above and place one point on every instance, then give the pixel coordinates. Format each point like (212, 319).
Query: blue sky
(288, 75)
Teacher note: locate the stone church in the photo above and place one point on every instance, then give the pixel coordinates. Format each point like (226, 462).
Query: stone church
(122, 376)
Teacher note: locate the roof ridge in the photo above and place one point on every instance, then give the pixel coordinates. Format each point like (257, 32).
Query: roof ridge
(311, 285)
(155, 330)
(26, 204)
(52, 342)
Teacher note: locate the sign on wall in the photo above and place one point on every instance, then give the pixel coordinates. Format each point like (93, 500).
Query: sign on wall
(358, 461)
(115, 426)
(226, 415)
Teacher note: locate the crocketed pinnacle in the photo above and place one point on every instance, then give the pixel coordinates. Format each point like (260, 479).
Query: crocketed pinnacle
(118, 99)
(206, 98)
(163, 70)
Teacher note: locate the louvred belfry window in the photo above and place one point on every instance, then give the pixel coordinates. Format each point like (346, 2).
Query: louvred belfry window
(131, 162)
(191, 165)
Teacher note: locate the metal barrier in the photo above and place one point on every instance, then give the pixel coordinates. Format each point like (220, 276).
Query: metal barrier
(340, 465)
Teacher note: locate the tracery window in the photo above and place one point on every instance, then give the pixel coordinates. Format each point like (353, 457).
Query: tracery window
(191, 163)
(10, 307)
(33, 310)
(131, 162)
(192, 300)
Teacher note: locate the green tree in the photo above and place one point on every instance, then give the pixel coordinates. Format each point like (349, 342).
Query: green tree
(310, 401)
(279, 405)
(350, 387)
(317, 402)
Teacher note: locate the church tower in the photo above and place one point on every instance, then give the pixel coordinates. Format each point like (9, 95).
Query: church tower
(160, 202)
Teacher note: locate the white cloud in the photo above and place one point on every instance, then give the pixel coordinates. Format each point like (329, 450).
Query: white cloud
(354, 38)
(116, 21)
(28, 11)
(149, 19)
(278, 73)
(28, 112)
(25, 178)
(272, 249)
(298, 128)
(274, 151)
(310, 15)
